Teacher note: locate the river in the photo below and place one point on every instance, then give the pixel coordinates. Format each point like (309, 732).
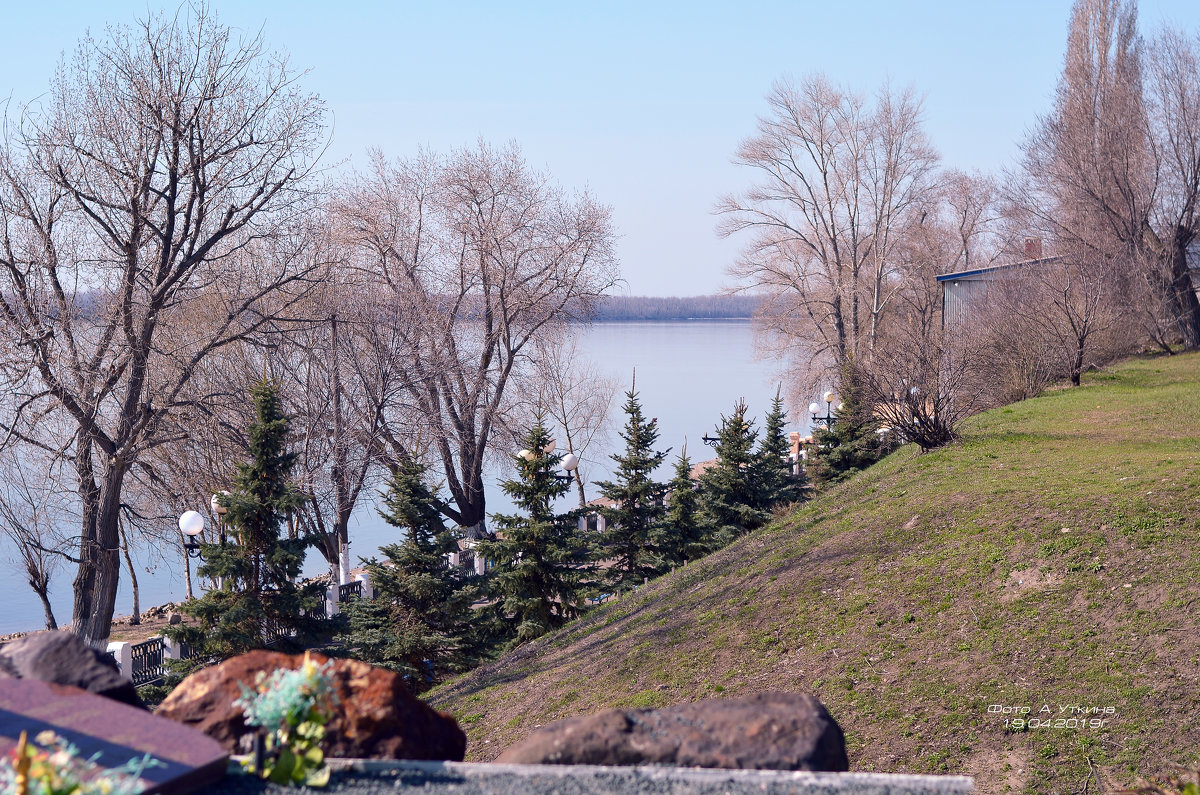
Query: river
(689, 373)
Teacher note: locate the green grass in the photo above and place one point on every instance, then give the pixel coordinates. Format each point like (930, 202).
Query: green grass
(1052, 557)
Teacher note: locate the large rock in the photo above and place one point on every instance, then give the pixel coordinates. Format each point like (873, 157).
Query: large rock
(375, 716)
(63, 659)
(768, 731)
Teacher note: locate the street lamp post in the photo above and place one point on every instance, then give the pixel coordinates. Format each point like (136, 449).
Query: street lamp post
(569, 462)
(219, 511)
(191, 524)
(814, 408)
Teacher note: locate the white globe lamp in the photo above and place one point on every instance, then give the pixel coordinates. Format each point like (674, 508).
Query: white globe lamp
(191, 523)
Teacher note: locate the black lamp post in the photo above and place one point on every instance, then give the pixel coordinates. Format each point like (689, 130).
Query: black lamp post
(191, 524)
(828, 420)
(711, 441)
(219, 511)
(569, 462)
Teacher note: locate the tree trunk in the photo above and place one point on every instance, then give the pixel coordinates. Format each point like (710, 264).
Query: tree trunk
(41, 586)
(1183, 293)
(476, 530)
(471, 513)
(136, 618)
(99, 562)
(579, 484)
(187, 577)
(1077, 365)
(48, 610)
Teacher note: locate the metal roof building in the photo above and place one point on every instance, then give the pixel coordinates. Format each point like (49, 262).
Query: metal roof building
(964, 289)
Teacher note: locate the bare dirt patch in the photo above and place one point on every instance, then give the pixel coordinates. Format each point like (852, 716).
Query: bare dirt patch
(1016, 770)
(1027, 581)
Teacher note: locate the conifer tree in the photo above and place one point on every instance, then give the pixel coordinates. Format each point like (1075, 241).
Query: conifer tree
(259, 601)
(635, 518)
(853, 441)
(729, 492)
(538, 563)
(419, 622)
(682, 537)
(776, 482)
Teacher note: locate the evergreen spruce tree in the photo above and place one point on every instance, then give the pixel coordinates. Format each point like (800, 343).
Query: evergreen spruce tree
(539, 564)
(683, 537)
(729, 491)
(635, 518)
(775, 480)
(420, 622)
(853, 441)
(259, 601)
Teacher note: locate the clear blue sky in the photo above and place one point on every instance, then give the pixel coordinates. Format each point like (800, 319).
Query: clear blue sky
(642, 103)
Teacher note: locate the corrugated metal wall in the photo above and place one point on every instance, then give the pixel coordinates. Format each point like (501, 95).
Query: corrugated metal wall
(957, 297)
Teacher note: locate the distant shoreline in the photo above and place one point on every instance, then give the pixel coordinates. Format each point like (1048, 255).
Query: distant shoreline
(634, 308)
(671, 320)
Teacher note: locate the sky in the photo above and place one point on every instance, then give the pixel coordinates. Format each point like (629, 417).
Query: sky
(642, 104)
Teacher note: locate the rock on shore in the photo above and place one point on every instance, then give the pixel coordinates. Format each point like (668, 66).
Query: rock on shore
(375, 717)
(63, 659)
(767, 731)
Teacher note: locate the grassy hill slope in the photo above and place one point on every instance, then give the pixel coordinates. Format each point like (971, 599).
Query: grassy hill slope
(1052, 557)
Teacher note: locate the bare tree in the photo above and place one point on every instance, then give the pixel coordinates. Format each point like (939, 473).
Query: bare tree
(335, 366)
(33, 517)
(970, 214)
(576, 396)
(198, 454)
(1016, 355)
(957, 228)
(479, 257)
(839, 179)
(1114, 170)
(1174, 110)
(149, 185)
(341, 383)
(924, 382)
(1065, 310)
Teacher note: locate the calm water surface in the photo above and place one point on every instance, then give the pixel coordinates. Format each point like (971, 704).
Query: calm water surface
(688, 375)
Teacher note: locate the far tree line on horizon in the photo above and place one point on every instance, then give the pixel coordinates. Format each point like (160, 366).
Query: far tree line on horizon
(416, 313)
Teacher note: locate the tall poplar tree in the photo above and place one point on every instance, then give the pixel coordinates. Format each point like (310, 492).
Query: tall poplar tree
(635, 517)
(538, 562)
(259, 601)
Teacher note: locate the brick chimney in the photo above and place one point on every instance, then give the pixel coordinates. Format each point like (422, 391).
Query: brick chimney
(1033, 248)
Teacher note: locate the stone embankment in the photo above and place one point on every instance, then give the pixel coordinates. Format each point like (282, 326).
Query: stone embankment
(451, 778)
